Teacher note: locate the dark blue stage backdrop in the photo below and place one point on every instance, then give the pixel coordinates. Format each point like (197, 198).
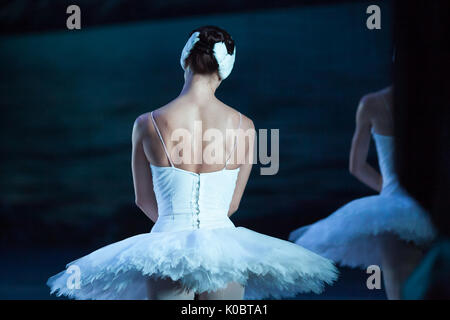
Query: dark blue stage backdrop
(69, 99)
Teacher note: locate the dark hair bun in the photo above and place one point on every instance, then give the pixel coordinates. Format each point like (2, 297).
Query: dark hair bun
(201, 59)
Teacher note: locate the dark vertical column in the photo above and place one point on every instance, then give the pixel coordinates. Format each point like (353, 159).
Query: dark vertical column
(422, 104)
(422, 130)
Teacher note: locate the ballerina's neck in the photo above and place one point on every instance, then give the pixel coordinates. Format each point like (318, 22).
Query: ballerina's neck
(200, 87)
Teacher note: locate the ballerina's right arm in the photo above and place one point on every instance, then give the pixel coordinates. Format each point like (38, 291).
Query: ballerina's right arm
(358, 165)
(145, 197)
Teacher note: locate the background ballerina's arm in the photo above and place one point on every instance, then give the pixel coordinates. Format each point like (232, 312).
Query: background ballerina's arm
(358, 165)
(246, 166)
(142, 177)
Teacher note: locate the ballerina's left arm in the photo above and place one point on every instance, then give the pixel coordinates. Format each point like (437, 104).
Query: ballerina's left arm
(358, 165)
(248, 134)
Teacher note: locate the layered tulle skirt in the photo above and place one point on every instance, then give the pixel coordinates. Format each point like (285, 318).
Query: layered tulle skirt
(202, 260)
(356, 234)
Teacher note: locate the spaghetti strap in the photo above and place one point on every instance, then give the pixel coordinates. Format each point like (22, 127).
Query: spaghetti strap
(160, 138)
(234, 146)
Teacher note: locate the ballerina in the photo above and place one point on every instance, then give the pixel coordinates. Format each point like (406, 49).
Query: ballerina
(194, 249)
(390, 229)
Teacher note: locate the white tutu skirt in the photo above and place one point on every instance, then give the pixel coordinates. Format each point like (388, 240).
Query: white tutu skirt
(203, 260)
(353, 235)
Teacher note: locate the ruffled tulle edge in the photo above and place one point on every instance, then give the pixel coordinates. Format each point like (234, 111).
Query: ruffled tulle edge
(261, 282)
(421, 234)
(269, 294)
(409, 235)
(344, 253)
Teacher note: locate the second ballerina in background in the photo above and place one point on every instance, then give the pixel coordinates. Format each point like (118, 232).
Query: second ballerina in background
(194, 249)
(390, 229)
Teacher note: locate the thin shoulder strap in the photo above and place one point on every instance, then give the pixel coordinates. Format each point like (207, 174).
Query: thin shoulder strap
(235, 138)
(160, 138)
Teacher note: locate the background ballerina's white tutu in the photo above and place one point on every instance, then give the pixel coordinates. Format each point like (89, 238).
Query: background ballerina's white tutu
(352, 235)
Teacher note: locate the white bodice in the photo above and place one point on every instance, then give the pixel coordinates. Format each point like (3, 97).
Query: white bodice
(188, 200)
(385, 152)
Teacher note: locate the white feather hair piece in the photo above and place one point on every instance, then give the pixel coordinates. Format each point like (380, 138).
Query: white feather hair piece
(188, 47)
(223, 58)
